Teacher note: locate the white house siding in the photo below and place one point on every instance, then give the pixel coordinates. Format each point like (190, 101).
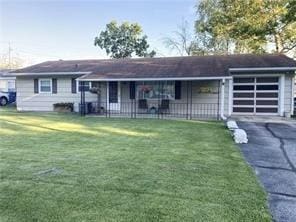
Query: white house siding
(27, 100)
(288, 93)
(202, 102)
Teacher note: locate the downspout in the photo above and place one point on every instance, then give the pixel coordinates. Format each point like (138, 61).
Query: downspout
(222, 100)
(282, 95)
(230, 96)
(293, 89)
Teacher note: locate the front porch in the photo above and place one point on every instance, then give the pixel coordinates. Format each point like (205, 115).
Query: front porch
(191, 99)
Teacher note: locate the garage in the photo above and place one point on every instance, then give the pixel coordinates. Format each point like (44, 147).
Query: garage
(256, 95)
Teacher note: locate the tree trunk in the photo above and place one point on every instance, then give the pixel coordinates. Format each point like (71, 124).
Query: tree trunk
(278, 43)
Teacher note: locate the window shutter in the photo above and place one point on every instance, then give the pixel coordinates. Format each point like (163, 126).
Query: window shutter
(74, 88)
(178, 89)
(36, 86)
(132, 90)
(54, 86)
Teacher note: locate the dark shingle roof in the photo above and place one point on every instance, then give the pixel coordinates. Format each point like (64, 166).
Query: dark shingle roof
(167, 67)
(5, 73)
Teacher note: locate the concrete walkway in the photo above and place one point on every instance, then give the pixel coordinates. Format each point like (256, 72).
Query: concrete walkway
(271, 152)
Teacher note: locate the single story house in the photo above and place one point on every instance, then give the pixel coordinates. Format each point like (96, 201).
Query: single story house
(190, 87)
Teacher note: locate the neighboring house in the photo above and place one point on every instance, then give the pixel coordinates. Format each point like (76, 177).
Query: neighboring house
(7, 81)
(7, 87)
(191, 87)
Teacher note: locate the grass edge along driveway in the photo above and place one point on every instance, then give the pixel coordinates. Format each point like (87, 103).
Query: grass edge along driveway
(62, 167)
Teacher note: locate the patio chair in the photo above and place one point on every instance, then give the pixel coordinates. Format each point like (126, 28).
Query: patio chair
(164, 106)
(143, 105)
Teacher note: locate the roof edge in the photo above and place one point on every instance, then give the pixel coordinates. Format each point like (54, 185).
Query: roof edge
(46, 73)
(153, 79)
(289, 68)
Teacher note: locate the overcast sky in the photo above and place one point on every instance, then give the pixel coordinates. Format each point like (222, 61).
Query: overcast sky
(49, 30)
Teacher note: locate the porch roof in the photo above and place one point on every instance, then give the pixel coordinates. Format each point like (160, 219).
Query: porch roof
(190, 67)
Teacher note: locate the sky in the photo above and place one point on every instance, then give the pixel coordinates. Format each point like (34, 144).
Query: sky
(41, 30)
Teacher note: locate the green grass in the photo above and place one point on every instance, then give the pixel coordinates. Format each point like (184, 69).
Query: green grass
(63, 167)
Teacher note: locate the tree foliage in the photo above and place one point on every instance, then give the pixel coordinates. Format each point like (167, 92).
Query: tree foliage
(248, 25)
(125, 40)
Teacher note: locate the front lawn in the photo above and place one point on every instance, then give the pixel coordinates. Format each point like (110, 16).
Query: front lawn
(63, 167)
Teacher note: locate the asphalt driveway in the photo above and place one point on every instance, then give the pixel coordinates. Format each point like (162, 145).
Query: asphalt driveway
(271, 152)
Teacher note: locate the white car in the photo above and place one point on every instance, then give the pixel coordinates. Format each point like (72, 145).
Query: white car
(4, 98)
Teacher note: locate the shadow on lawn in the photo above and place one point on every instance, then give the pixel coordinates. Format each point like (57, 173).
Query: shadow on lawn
(46, 126)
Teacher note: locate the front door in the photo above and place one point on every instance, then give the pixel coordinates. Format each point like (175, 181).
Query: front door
(114, 96)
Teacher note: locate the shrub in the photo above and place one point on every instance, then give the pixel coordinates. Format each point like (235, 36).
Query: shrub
(63, 107)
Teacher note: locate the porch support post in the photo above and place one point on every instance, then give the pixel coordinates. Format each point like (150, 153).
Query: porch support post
(82, 98)
(107, 99)
(191, 99)
(132, 107)
(187, 96)
(222, 100)
(158, 101)
(162, 83)
(99, 97)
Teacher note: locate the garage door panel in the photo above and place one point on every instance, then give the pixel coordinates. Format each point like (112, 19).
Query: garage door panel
(267, 87)
(243, 109)
(243, 102)
(266, 110)
(267, 95)
(256, 95)
(267, 80)
(243, 95)
(243, 87)
(267, 102)
(244, 80)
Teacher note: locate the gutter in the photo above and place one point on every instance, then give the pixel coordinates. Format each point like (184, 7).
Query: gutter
(262, 69)
(154, 79)
(7, 77)
(45, 73)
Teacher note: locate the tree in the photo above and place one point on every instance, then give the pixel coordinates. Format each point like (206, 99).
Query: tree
(213, 42)
(281, 26)
(10, 62)
(183, 40)
(125, 40)
(249, 26)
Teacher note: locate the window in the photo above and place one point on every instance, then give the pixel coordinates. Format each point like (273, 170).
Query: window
(45, 85)
(86, 86)
(113, 92)
(156, 90)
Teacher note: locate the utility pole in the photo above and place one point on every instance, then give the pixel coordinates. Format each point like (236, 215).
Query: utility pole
(9, 55)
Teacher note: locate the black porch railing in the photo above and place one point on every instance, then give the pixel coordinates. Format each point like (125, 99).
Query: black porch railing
(152, 109)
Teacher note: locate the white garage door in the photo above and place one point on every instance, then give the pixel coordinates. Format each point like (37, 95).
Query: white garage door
(256, 95)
